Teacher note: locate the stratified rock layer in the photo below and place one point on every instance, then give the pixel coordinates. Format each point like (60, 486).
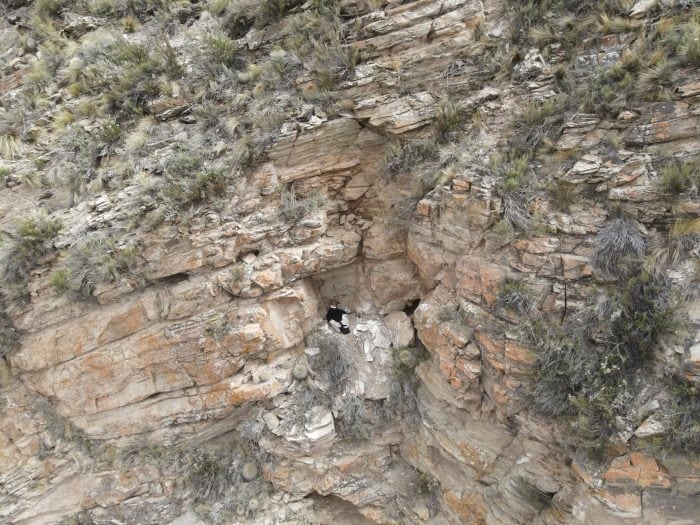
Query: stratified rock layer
(234, 295)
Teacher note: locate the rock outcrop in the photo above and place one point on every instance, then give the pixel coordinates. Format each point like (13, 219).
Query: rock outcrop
(214, 344)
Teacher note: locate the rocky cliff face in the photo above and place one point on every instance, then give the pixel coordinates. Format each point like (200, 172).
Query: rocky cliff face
(469, 180)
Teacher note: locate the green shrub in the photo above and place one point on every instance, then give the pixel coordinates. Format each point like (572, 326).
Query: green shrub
(690, 44)
(61, 281)
(270, 11)
(9, 144)
(614, 24)
(678, 177)
(124, 74)
(30, 241)
(505, 231)
(215, 480)
(224, 51)
(187, 182)
(618, 248)
(332, 59)
(171, 65)
(563, 194)
(50, 8)
(648, 312)
(510, 170)
(590, 368)
(515, 296)
(97, 258)
(204, 186)
(78, 153)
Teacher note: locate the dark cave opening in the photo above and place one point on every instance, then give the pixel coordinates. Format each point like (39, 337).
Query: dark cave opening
(338, 319)
(411, 307)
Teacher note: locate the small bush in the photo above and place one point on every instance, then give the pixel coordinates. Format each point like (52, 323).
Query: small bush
(187, 182)
(538, 122)
(271, 11)
(220, 492)
(171, 64)
(619, 246)
(9, 145)
(510, 170)
(203, 186)
(124, 74)
(515, 296)
(402, 401)
(331, 364)
(683, 237)
(9, 335)
(19, 253)
(77, 152)
(50, 8)
(448, 120)
(678, 177)
(683, 412)
(97, 258)
(333, 60)
(224, 51)
(353, 421)
(293, 209)
(563, 194)
(590, 368)
(61, 281)
(614, 24)
(690, 44)
(405, 360)
(405, 157)
(648, 312)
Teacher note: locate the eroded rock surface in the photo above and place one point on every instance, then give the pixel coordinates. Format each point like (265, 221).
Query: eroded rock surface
(201, 348)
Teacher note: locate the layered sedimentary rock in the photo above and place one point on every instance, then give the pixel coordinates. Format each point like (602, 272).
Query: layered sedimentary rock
(232, 296)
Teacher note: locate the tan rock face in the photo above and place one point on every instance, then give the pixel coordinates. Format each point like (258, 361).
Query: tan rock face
(213, 344)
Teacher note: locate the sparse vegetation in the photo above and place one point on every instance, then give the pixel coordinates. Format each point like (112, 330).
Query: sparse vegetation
(590, 368)
(293, 209)
(619, 247)
(331, 363)
(682, 238)
(538, 123)
(221, 484)
(9, 335)
(96, 259)
(187, 181)
(563, 194)
(679, 177)
(448, 119)
(9, 145)
(23, 249)
(683, 417)
(514, 187)
(353, 421)
(224, 51)
(405, 157)
(515, 295)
